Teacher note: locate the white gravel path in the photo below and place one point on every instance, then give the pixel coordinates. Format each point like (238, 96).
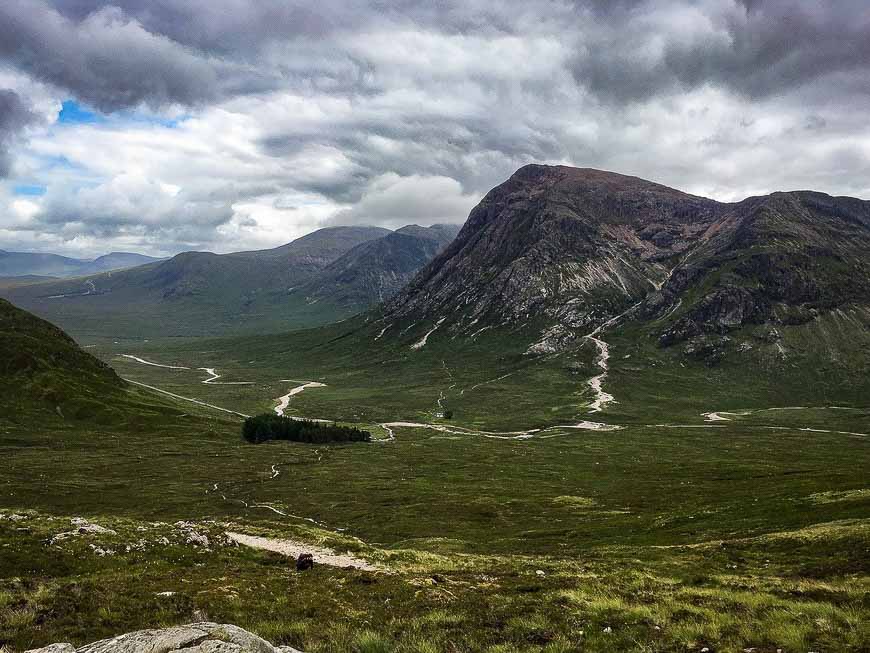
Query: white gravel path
(295, 548)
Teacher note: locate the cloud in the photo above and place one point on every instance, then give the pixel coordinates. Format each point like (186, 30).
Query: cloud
(756, 49)
(228, 124)
(392, 201)
(107, 59)
(15, 115)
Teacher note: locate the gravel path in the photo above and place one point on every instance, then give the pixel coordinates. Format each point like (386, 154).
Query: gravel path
(295, 548)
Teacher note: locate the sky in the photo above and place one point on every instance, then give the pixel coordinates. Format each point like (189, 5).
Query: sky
(159, 126)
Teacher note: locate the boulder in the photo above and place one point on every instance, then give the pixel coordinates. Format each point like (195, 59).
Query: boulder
(304, 561)
(204, 637)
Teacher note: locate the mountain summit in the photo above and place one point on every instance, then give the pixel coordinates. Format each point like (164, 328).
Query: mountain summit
(564, 250)
(575, 244)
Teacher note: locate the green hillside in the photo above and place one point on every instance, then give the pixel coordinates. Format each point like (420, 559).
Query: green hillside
(322, 277)
(41, 366)
(670, 533)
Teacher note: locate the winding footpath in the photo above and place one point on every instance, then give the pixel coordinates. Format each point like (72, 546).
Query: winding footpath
(712, 419)
(388, 427)
(284, 400)
(214, 376)
(596, 383)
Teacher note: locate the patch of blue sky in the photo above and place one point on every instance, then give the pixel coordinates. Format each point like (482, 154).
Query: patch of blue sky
(55, 169)
(74, 113)
(58, 162)
(29, 190)
(152, 119)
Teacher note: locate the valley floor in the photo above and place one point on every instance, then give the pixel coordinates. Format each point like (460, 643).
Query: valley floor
(671, 527)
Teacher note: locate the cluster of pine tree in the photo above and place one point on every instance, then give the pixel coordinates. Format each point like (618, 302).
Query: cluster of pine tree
(262, 428)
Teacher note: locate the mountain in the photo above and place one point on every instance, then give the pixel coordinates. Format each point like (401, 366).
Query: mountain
(375, 270)
(322, 277)
(560, 244)
(581, 290)
(115, 261)
(40, 364)
(18, 264)
(13, 264)
(564, 250)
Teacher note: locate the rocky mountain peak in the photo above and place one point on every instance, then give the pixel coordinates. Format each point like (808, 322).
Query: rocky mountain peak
(567, 243)
(563, 250)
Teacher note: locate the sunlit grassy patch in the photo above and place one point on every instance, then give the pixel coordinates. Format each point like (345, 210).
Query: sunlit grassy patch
(578, 503)
(834, 497)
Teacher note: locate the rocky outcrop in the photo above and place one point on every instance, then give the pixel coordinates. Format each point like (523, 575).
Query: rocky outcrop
(719, 312)
(202, 637)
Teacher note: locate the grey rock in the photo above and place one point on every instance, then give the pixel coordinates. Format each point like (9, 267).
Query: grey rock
(204, 637)
(54, 648)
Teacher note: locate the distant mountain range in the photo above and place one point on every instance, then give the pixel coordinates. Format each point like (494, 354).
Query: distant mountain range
(19, 264)
(555, 260)
(322, 277)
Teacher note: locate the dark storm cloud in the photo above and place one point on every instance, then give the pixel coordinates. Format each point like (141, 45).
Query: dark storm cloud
(122, 53)
(229, 26)
(15, 115)
(105, 59)
(755, 48)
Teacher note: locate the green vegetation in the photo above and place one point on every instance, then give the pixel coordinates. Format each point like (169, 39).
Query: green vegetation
(266, 427)
(670, 534)
(322, 277)
(41, 367)
(673, 599)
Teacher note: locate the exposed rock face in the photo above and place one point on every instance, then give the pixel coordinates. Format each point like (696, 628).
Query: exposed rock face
(192, 638)
(570, 244)
(565, 249)
(780, 259)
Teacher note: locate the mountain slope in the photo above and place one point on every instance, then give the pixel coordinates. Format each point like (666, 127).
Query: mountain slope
(200, 293)
(784, 259)
(566, 249)
(19, 264)
(375, 270)
(564, 244)
(40, 364)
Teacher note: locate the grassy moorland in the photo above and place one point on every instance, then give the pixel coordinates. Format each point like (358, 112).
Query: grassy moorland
(651, 540)
(670, 534)
(721, 595)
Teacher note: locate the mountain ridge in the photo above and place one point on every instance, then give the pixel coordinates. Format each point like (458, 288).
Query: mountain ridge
(567, 249)
(203, 293)
(17, 264)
